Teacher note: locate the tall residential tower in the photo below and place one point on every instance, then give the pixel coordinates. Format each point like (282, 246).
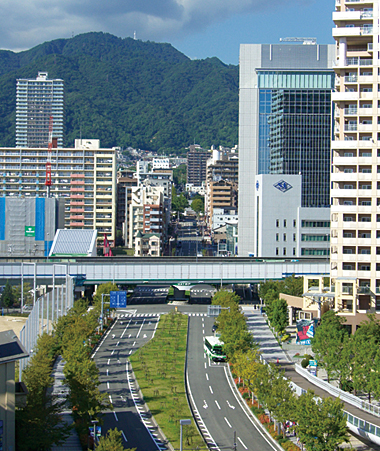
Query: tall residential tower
(36, 101)
(355, 214)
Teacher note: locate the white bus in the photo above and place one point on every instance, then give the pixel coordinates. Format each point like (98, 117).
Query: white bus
(213, 347)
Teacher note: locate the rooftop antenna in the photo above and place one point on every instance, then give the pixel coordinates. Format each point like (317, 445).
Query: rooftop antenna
(134, 35)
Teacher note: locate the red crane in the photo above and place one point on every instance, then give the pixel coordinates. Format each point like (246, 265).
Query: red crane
(48, 162)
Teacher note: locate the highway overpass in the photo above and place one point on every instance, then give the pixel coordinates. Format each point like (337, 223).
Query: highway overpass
(165, 270)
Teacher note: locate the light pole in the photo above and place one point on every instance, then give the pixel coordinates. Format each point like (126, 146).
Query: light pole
(94, 423)
(183, 423)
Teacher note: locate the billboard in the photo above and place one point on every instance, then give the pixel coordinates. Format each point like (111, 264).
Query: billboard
(305, 331)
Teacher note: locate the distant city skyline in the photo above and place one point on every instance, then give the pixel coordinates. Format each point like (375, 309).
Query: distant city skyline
(198, 29)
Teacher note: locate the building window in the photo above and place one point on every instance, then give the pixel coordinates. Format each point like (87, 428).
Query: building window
(294, 251)
(347, 267)
(284, 251)
(294, 223)
(277, 251)
(277, 236)
(294, 237)
(277, 223)
(284, 236)
(284, 222)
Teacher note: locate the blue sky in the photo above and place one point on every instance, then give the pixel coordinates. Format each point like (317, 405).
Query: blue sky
(267, 27)
(197, 28)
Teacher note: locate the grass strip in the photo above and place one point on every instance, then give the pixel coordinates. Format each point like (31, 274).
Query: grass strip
(159, 367)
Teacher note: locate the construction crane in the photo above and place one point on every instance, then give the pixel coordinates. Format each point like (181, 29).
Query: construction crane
(305, 41)
(48, 161)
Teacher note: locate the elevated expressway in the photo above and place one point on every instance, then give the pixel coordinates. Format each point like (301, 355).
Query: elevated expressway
(164, 270)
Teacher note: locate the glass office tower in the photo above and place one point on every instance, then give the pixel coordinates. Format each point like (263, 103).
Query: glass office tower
(284, 123)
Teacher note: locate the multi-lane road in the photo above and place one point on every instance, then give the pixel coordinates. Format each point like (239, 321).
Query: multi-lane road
(129, 332)
(222, 419)
(219, 413)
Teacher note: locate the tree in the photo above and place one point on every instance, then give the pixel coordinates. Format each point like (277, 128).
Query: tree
(279, 316)
(293, 286)
(28, 298)
(321, 425)
(7, 298)
(179, 203)
(198, 205)
(39, 424)
(328, 343)
(112, 442)
(104, 288)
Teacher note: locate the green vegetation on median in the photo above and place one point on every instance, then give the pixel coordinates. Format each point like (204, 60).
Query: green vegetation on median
(159, 367)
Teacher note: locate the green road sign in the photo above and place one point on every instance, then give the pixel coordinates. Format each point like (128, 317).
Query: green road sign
(30, 231)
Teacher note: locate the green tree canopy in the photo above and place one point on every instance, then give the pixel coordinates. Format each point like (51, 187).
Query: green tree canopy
(198, 205)
(7, 298)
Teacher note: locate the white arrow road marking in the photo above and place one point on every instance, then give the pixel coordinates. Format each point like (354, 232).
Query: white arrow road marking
(145, 336)
(131, 351)
(229, 405)
(205, 404)
(242, 442)
(108, 385)
(108, 361)
(112, 352)
(225, 419)
(217, 405)
(134, 343)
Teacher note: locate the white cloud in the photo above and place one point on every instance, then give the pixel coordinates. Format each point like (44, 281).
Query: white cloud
(26, 23)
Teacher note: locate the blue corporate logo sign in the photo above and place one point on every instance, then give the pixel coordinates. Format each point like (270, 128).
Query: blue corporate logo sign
(118, 299)
(283, 186)
(257, 185)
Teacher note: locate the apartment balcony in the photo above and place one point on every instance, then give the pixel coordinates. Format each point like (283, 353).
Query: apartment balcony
(343, 177)
(366, 95)
(338, 16)
(76, 224)
(353, 144)
(76, 218)
(350, 225)
(341, 32)
(343, 193)
(345, 96)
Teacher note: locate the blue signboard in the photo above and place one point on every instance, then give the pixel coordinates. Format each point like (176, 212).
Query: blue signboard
(118, 299)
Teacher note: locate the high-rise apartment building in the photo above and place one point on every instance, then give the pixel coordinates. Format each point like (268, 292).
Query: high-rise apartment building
(284, 126)
(355, 234)
(84, 175)
(36, 101)
(196, 165)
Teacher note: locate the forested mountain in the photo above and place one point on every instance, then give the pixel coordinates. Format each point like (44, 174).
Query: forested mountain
(127, 92)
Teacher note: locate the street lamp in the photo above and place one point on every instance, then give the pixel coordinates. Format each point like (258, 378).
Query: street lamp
(183, 423)
(94, 423)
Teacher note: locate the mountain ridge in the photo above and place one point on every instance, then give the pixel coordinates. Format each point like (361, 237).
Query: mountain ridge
(127, 92)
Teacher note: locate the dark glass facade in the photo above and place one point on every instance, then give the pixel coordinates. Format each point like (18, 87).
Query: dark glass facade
(295, 130)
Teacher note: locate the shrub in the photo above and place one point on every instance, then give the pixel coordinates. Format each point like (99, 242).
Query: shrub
(234, 376)
(246, 395)
(285, 337)
(305, 363)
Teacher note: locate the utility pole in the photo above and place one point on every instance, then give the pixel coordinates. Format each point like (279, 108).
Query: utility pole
(235, 444)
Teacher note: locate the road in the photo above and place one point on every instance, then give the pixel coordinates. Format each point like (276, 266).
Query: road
(129, 415)
(220, 411)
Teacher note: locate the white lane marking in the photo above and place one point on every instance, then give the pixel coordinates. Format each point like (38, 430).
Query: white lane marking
(249, 418)
(117, 344)
(229, 405)
(217, 405)
(108, 385)
(124, 437)
(112, 352)
(204, 356)
(210, 389)
(108, 361)
(227, 422)
(155, 327)
(126, 327)
(145, 336)
(206, 376)
(130, 352)
(116, 418)
(203, 331)
(205, 404)
(107, 372)
(205, 364)
(137, 336)
(240, 440)
(101, 343)
(110, 398)
(134, 343)
(130, 335)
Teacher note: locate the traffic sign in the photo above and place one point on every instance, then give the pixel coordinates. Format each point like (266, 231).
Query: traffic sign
(118, 299)
(213, 310)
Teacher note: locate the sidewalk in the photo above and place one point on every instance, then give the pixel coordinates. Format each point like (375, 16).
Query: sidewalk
(272, 352)
(72, 442)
